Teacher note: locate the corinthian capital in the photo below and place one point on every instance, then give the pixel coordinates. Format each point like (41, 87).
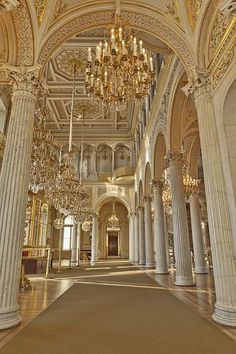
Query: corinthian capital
(24, 78)
(198, 85)
(175, 156)
(157, 185)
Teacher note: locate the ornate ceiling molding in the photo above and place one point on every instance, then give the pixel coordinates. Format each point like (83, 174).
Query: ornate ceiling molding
(40, 6)
(193, 7)
(158, 28)
(24, 35)
(8, 5)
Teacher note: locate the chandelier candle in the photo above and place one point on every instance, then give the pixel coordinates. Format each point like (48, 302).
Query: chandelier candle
(121, 71)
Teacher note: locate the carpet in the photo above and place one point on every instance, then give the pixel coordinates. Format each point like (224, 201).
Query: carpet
(119, 311)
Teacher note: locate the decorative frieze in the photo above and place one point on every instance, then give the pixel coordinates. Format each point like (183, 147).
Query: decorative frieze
(8, 5)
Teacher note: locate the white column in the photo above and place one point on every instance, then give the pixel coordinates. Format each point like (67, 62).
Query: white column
(14, 184)
(132, 156)
(148, 232)
(184, 276)
(221, 235)
(142, 257)
(198, 247)
(136, 238)
(167, 238)
(94, 242)
(95, 163)
(131, 238)
(74, 248)
(78, 241)
(159, 229)
(112, 161)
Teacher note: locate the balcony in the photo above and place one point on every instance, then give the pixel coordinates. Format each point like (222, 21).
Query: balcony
(124, 174)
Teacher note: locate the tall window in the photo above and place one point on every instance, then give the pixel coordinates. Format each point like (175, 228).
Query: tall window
(67, 232)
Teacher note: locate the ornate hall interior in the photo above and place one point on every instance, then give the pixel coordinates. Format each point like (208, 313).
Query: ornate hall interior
(118, 176)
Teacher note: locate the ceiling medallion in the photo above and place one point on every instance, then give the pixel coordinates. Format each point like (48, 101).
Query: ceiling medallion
(121, 71)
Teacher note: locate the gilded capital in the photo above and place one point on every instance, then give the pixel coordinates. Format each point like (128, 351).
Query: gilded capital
(147, 199)
(175, 157)
(157, 185)
(24, 78)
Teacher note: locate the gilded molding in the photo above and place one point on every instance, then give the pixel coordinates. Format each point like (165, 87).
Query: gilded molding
(40, 6)
(141, 21)
(8, 5)
(61, 7)
(25, 40)
(173, 10)
(193, 7)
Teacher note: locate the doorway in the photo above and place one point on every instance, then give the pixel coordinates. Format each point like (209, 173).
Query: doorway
(113, 242)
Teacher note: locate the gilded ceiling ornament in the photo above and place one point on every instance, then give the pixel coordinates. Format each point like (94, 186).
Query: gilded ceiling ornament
(222, 30)
(62, 5)
(173, 10)
(193, 7)
(40, 6)
(67, 59)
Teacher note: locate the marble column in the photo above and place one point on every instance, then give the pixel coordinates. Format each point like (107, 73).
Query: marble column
(112, 162)
(142, 257)
(221, 234)
(148, 232)
(136, 238)
(159, 229)
(95, 163)
(198, 246)
(78, 240)
(94, 242)
(74, 248)
(184, 276)
(14, 182)
(131, 238)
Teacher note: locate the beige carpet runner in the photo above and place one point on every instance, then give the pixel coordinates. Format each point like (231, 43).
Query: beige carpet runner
(119, 311)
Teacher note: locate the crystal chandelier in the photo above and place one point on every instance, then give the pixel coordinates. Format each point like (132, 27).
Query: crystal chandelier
(121, 71)
(113, 220)
(191, 185)
(167, 198)
(44, 156)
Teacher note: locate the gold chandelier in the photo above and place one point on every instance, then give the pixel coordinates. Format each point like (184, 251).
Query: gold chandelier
(44, 156)
(113, 219)
(191, 185)
(121, 71)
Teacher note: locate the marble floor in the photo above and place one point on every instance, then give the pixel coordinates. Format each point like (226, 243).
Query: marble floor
(46, 291)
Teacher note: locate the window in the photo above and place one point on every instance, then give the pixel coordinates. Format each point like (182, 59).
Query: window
(67, 232)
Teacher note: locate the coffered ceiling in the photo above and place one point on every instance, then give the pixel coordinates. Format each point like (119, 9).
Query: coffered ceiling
(100, 124)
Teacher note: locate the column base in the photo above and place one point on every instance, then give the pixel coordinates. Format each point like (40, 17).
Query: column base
(74, 264)
(184, 281)
(201, 270)
(141, 262)
(150, 265)
(10, 317)
(161, 271)
(225, 315)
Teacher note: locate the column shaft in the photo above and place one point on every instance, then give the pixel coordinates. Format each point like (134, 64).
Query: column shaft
(148, 232)
(131, 239)
(94, 242)
(159, 229)
(74, 248)
(142, 257)
(221, 235)
(14, 182)
(136, 237)
(183, 263)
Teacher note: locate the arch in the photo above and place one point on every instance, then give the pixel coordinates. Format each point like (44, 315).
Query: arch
(159, 163)
(121, 156)
(96, 17)
(193, 157)
(104, 198)
(176, 113)
(147, 180)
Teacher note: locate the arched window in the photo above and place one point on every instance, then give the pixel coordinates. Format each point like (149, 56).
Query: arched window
(67, 232)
